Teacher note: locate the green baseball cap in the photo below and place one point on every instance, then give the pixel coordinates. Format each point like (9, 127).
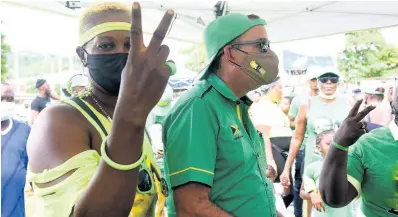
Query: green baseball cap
(222, 31)
(377, 91)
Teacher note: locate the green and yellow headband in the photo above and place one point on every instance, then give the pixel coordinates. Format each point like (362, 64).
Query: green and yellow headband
(101, 28)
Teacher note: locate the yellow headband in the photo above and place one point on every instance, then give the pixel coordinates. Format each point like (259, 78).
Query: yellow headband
(101, 28)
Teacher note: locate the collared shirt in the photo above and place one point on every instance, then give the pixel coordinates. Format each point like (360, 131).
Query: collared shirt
(14, 161)
(209, 139)
(373, 171)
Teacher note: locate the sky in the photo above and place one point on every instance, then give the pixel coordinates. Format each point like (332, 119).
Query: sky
(45, 32)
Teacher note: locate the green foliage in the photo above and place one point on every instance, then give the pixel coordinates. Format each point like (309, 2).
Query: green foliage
(5, 49)
(367, 55)
(197, 58)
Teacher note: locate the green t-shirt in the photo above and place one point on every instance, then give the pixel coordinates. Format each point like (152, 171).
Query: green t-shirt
(311, 183)
(294, 110)
(322, 116)
(209, 139)
(373, 170)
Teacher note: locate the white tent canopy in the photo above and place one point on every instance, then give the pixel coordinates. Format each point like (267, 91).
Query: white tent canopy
(287, 20)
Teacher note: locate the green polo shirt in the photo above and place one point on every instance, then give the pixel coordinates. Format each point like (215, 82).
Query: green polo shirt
(210, 139)
(373, 171)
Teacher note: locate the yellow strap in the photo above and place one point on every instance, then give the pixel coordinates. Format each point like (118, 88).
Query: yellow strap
(101, 28)
(84, 113)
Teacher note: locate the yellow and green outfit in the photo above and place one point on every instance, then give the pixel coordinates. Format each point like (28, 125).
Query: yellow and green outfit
(373, 171)
(210, 139)
(59, 199)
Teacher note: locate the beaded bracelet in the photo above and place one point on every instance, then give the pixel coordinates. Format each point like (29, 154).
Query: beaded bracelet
(340, 146)
(115, 165)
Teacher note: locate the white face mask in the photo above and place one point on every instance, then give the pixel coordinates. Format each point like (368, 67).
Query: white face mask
(323, 95)
(7, 110)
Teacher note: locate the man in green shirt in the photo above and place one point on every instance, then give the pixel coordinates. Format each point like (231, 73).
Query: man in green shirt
(214, 157)
(367, 169)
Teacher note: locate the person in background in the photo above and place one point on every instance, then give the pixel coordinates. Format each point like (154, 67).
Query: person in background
(214, 157)
(269, 119)
(90, 155)
(323, 112)
(311, 182)
(390, 95)
(381, 115)
(157, 117)
(312, 74)
(365, 165)
(78, 83)
(256, 97)
(14, 159)
(278, 192)
(285, 104)
(43, 98)
(356, 95)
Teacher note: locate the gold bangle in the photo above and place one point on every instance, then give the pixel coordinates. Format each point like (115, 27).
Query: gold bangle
(115, 165)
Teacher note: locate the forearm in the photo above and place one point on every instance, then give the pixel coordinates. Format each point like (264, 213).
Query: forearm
(268, 150)
(293, 150)
(54, 95)
(334, 185)
(204, 208)
(124, 147)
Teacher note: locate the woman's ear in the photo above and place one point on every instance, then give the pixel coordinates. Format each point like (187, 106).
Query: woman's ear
(81, 54)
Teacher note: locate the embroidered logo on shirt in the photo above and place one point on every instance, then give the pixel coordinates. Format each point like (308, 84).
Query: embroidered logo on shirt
(236, 132)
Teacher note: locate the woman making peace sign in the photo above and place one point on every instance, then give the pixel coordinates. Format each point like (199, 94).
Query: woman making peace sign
(69, 176)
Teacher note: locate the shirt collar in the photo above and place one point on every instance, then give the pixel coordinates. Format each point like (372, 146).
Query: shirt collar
(224, 90)
(394, 130)
(7, 130)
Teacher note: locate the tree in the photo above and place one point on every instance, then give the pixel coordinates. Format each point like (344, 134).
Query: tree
(197, 58)
(367, 55)
(5, 49)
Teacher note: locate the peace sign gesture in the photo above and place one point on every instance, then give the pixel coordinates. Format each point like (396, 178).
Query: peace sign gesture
(145, 75)
(352, 128)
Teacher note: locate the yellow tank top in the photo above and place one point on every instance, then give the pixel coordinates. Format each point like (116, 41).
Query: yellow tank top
(59, 199)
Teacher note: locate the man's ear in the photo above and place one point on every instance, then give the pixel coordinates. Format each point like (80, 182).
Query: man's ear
(81, 53)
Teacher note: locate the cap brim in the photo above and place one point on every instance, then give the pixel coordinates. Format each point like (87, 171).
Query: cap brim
(205, 71)
(325, 73)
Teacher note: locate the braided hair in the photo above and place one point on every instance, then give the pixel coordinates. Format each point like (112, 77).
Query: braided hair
(321, 135)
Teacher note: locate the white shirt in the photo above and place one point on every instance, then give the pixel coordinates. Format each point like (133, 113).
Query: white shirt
(267, 113)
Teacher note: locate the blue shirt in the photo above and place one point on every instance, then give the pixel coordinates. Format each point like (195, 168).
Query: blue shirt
(14, 161)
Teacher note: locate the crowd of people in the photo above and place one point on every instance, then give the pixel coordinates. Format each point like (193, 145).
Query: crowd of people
(120, 144)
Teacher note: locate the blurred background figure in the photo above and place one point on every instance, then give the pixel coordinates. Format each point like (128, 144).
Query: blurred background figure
(75, 85)
(14, 159)
(43, 98)
(154, 126)
(356, 95)
(381, 115)
(285, 104)
(269, 119)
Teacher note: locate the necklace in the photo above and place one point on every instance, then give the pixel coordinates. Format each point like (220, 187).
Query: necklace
(99, 106)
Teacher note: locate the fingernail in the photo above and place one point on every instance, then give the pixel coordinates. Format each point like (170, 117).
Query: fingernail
(170, 11)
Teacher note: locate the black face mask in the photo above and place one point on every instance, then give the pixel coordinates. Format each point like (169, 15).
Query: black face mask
(106, 70)
(48, 93)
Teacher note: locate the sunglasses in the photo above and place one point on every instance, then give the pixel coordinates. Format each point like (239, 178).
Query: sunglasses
(7, 98)
(146, 181)
(325, 79)
(263, 44)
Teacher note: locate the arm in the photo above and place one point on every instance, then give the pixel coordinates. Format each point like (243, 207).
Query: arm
(49, 138)
(265, 129)
(298, 137)
(191, 158)
(304, 195)
(335, 171)
(192, 199)
(54, 95)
